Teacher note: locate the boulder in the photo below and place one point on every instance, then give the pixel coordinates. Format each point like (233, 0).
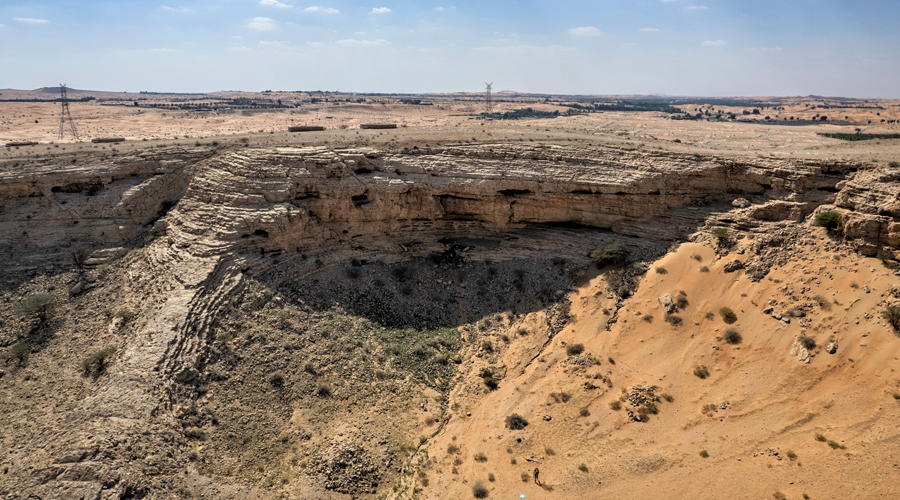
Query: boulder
(733, 266)
(741, 203)
(831, 348)
(667, 304)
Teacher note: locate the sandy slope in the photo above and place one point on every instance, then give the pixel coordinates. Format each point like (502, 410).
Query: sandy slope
(767, 399)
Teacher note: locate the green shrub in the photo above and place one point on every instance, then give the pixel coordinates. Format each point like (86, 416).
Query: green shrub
(894, 164)
(36, 304)
(479, 491)
(820, 437)
(891, 314)
(896, 396)
(727, 315)
(611, 253)
(701, 371)
(661, 270)
(704, 453)
(480, 457)
(125, 314)
(583, 467)
(720, 233)
(574, 349)
(615, 405)
(791, 455)
(835, 445)
(516, 422)
(830, 220)
(732, 336)
(97, 362)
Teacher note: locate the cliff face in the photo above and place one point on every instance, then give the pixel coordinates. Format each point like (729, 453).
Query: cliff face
(293, 198)
(288, 199)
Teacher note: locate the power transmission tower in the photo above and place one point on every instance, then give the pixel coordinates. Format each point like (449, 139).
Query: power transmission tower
(488, 103)
(64, 113)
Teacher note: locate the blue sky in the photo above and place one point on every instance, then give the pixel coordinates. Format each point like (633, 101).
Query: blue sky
(677, 47)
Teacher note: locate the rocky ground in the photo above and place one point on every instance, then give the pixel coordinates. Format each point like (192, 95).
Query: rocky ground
(240, 321)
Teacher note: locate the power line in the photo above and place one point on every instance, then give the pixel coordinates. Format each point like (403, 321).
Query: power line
(64, 113)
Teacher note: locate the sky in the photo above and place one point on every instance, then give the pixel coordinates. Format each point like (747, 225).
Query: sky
(673, 47)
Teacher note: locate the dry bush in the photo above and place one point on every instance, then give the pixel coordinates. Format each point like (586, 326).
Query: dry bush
(516, 422)
(479, 490)
(574, 349)
(732, 336)
(728, 315)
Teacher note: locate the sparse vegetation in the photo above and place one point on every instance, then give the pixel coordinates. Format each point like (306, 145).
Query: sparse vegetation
(479, 490)
(829, 220)
(611, 253)
(791, 455)
(704, 453)
(721, 234)
(574, 349)
(891, 314)
(516, 422)
(673, 319)
(704, 269)
(808, 342)
(97, 361)
(583, 467)
(615, 405)
(585, 412)
(648, 318)
(732, 336)
(661, 270)
(323, 390)
(728, 315)
(37, 304)
(480, 457)
(835, 445)
(79, 257)
(701, 371)
(820, 437)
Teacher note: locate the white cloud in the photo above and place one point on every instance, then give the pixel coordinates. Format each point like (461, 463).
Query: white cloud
(697, 7)
(31, 20)
(316, 44)
(324, 10)
(585, 31)
(182, 10)
(350, 42)
(274, 44)
(275, 3)
(652, 30)
(713, 43)
(380, 10)
(262, 24)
